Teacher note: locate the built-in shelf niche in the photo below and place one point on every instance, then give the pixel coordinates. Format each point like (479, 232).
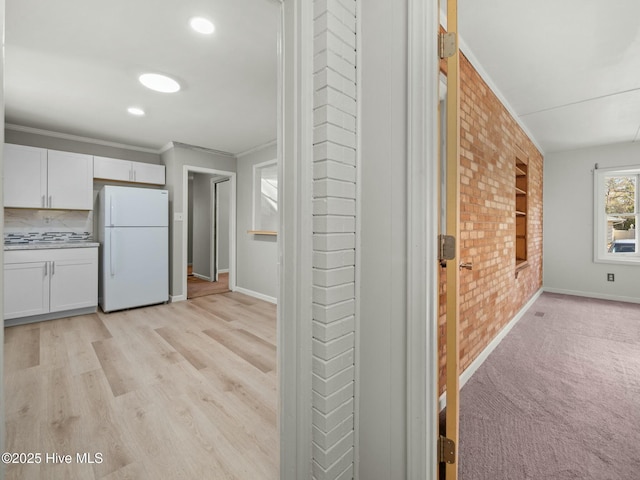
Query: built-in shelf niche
(521, 211)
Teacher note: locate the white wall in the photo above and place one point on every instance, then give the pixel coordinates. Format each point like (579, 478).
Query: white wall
(568, 225)
(175, 158)
(383, 288)
(257, 255)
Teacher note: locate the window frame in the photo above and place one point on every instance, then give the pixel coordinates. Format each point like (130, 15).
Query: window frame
(257, 223)
(600, 251)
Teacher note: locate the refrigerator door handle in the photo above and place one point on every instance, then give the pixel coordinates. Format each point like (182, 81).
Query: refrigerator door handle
(112, 263)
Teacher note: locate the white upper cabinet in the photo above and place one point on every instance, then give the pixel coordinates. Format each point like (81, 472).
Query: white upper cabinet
(126, 171)
(41, 178)
(70, 180)
(111, 169)
(25, 176)
(148, 173)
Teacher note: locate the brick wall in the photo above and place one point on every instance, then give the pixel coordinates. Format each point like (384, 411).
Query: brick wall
(490, 294)
(334, 226)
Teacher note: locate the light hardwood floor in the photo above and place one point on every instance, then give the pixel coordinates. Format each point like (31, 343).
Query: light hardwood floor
(196, 287)
(179, 391)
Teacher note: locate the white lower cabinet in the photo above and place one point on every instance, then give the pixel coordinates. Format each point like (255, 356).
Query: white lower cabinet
(38, 282)
(26, 289)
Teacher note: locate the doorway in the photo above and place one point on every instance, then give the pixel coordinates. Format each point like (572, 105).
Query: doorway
(208, 234)
(210, 199)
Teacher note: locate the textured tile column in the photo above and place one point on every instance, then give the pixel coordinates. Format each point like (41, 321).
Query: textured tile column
(334, 238)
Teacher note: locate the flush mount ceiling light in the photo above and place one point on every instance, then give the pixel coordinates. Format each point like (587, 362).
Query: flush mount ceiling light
(138, 112)
(159, 83)
(202, 25)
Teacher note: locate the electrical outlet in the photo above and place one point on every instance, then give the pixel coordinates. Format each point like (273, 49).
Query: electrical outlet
(611, 277)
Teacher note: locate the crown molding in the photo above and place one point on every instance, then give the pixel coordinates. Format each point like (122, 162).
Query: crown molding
(78, 138)
(256, 149)
(198, 149)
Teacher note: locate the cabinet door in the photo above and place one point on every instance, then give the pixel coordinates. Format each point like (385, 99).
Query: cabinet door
(112, 169)
(70, 178)
(26, 289)
(25, 176)
(74, 282)
(148, 173)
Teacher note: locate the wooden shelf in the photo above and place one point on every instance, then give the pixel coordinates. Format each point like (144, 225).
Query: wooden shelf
(521, 185)
(262, 232)
(520, 265)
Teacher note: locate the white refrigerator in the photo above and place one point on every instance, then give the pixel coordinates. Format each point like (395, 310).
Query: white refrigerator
(133, 233)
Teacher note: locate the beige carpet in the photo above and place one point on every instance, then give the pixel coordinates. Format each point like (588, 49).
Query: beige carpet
(559, 398)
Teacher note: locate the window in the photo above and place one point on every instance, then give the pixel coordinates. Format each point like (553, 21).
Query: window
(616, 215)
(522, 190)
(265, 196)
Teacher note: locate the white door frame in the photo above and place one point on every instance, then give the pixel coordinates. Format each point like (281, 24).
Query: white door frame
(295, 133)
(295, 236)
(215, 219)
(214, 230)
(232, 221)
(423, 215)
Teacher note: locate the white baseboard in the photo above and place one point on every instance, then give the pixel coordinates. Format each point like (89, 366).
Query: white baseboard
(261, 296)
(223, 270)
(599, 296)
(480, 359)
(177, 298)
(202, 277)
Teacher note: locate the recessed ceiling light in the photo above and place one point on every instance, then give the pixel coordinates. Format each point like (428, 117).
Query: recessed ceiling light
(202, 25)
(138, 112)
(159, 83)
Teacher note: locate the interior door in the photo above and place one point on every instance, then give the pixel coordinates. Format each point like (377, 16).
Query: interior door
(450, 197)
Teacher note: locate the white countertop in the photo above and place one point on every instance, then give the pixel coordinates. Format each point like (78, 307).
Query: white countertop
(50, 245)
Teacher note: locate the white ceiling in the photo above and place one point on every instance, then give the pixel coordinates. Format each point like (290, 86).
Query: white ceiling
(72, 67)
(570, 69)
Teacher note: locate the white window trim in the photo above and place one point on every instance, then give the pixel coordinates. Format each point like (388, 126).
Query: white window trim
(256, 221)
(600, 254)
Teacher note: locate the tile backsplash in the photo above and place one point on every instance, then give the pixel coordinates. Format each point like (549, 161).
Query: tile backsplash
(38, 222)
(35, 237)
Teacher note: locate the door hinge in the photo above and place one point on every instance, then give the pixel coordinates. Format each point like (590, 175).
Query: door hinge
(447, 250)
(446, 450)
(447, 44)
